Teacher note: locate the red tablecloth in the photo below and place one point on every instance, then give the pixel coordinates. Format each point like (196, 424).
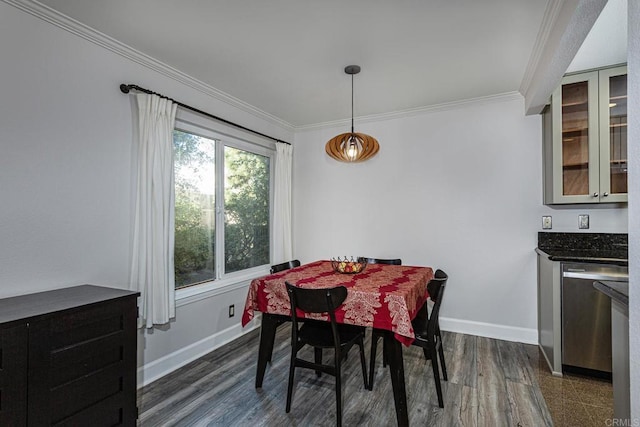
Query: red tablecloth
(382, 296)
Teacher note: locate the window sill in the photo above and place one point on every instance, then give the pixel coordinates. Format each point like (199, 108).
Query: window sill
(230, 283)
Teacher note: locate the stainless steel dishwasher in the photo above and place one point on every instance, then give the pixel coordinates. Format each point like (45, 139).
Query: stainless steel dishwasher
(586, 317)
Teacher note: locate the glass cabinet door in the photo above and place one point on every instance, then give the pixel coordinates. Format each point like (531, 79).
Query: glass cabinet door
(613, 134)
(575, 139)
(575, 126)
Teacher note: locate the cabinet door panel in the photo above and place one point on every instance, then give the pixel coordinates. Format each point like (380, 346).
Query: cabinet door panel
(13, 376)
(613, 134)
(575, 123)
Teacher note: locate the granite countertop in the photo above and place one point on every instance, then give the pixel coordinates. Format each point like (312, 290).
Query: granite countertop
(610, 248)
(617, 291)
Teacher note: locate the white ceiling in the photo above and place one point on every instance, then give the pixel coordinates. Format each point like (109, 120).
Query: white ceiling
(287, 57)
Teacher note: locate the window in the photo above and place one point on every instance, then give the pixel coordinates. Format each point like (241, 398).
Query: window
(225, 182)
(194, 172)
(246, 201)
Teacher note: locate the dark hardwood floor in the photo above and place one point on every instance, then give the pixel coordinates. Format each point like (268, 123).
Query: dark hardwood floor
(491, 383)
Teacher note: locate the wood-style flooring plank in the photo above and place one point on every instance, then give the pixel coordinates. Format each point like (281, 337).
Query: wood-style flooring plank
(463, 368)
(493, 406)
(461, 406)
(514, 362)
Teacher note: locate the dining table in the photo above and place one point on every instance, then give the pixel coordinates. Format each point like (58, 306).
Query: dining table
(384, 297)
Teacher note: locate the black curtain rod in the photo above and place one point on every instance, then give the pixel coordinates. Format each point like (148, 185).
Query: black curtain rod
(127, 88)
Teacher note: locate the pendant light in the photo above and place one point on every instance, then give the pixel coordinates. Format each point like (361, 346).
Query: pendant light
(352, 147)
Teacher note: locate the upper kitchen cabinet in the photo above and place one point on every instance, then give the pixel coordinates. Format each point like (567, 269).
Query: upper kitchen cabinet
(585, 139)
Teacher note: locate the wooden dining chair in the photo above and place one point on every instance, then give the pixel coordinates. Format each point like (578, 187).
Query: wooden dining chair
(427, 330)
(322, 335)
(284, 266)
(375, 334)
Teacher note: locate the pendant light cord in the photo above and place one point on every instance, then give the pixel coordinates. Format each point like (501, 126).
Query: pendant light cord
(351, 103)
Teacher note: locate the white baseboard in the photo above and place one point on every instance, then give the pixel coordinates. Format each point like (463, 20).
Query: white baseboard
(152, 371)
(490, 330)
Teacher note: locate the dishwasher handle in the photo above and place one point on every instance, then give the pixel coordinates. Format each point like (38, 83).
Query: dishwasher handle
(614, 277)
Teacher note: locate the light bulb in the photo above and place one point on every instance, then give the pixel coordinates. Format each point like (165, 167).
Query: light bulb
(352, 149)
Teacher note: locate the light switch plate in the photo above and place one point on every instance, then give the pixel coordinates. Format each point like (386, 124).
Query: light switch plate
(583, 221)
(546, 222)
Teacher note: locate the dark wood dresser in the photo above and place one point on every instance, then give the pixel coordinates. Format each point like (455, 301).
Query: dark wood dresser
(68, 358)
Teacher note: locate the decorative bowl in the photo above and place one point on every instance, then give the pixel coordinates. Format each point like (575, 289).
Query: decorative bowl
(348, 266)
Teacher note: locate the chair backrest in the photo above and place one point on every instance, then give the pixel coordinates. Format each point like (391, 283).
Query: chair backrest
(324, 300)
(436, 291)
(395, 261)
(316, 301)
(434, 286)
(284, 266)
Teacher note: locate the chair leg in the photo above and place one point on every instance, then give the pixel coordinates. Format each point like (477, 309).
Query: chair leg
(338, 391)
(384, 355)
(372, 358)
(292, 368)
(443, 366)
(318, 358)
(363, 362)
(436, 375)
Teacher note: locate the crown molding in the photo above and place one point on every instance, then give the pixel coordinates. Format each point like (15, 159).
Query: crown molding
(490, 99)
(549, 19)
(79, 29)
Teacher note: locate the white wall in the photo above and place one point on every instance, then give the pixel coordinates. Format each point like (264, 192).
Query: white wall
(65, 172)
(458, 189)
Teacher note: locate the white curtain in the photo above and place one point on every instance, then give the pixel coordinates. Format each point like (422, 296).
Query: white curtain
(152, 272)
(283, 250)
